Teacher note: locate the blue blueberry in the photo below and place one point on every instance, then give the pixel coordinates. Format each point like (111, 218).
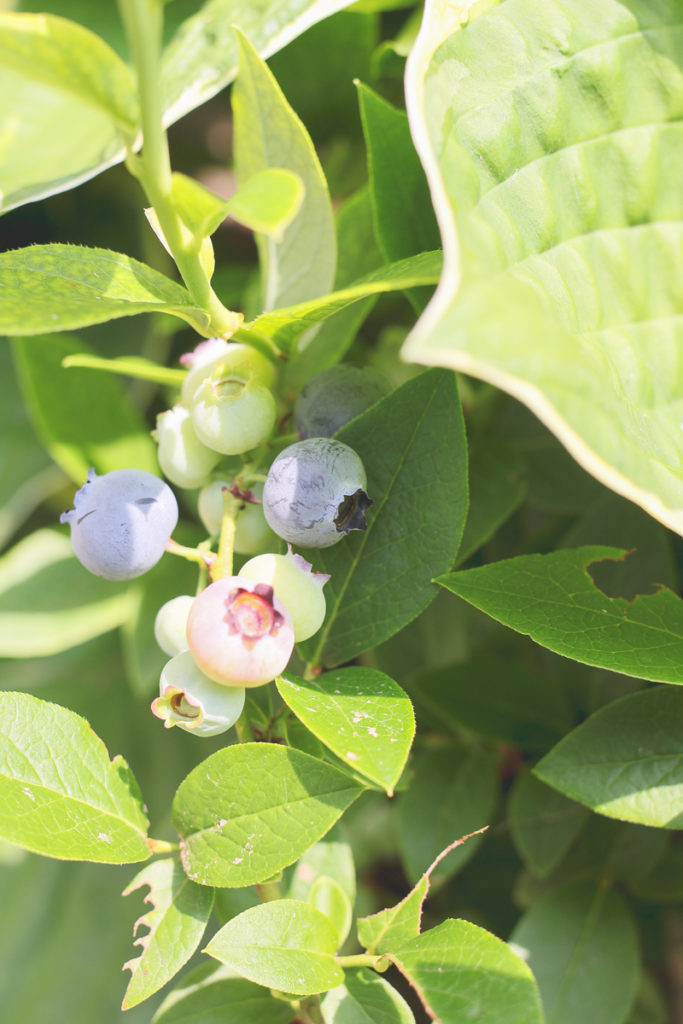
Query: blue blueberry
(335, 396)
(315, 493)
(120, 522)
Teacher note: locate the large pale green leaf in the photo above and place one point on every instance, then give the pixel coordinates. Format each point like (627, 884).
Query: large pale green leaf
(84, 418)
(462, 972)
(48, 288)
(551, 137)
(360, 714)
(582, 945)
(69, 104)
(284, 944)
(49, 602)
(452, 794)
(381, 578)
(202, 57)
(249, 810)
(176, 923)
(206, 996)
(284, 326)
(626, 760)
(299, 265)
(553, 599)
(365, 998)
(60, 794)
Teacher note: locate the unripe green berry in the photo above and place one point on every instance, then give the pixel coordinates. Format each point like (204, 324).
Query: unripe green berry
(182, 456)
(236, 359)
(252, 533)
(170, 625)
(233, 415)
(189, 699)
(299, 589)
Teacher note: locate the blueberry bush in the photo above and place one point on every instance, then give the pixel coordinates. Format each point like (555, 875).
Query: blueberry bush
(339, 602)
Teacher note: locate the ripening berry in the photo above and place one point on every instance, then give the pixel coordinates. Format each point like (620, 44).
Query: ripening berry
(252, 533)
(315, 493)
(239, 633)
(170, 625)
(335, 396)
(237, 360)
(182, 456)
(121, 522)
(299, 589)
(188, 699)
(231, 414)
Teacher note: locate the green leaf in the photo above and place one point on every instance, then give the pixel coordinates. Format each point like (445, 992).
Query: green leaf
(363, 716)
(55, 287)
(84, 419)
(365, 998)
(462, 972)
(284, 326)
(543, 823)
(61, 796)
(268, 134)
(268, 202)
(626, 760)
(248, 811)
(381, 578)
(497, 489)
(401, 206)
(357, 253)
(176, 923)
(650, 1006)
(495, 697)
(582, 945)
(283, 944)
(128, 366)
(551, 139)
(452, 794)
(49, 602)
(70, 106)
(394, 927)
(329, 898)
(553, 599)
(219, 998)
(332, 858)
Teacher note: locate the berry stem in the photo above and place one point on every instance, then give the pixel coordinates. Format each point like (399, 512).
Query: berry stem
(143, 22)
(226, 543)
(200, 555)
(268, 891)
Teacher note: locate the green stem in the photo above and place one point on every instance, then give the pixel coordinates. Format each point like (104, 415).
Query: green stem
(360, 960)
(226, 544)
(199, 555)
(268, 891)
(143, 22)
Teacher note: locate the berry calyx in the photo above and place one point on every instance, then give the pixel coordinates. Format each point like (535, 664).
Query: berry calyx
(230, 414)
(191, 701)
(239, 632)
(235, 358)
(300, 589)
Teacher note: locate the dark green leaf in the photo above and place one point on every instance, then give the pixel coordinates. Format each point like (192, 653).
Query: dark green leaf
(553, 599)
(381, 579)
(85, 419)
(363, 716)
(452, 794)
(495, 697)
(543, 823)
(626, 760)
(582, 945)
(284, 944)
(497, 489)
(60, 794)
(248, 811)
(176, 923)
(207, 996)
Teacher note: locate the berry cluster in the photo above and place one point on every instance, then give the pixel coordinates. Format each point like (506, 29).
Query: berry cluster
(240, 630)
